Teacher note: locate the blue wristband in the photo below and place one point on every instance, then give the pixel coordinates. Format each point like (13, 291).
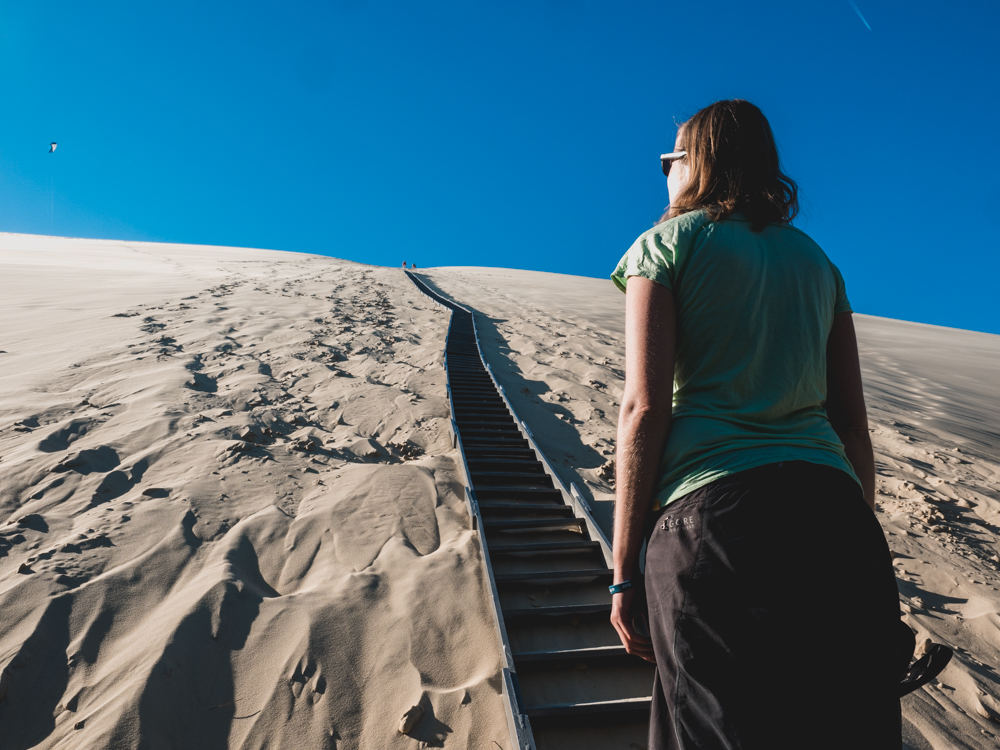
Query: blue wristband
(620, 587)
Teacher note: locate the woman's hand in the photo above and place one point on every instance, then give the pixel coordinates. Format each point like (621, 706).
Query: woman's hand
(621, 617)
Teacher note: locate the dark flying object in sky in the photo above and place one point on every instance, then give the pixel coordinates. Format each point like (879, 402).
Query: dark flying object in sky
(52, 147)
(859, 14)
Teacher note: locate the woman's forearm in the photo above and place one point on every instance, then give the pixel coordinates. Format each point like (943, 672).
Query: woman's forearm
(845, 401)
(650, 335)
(642, 433)
(858, 447)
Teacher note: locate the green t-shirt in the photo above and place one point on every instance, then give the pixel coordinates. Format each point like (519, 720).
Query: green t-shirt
(754, 312)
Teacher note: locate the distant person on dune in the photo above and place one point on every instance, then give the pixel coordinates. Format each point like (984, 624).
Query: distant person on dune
(744, 459)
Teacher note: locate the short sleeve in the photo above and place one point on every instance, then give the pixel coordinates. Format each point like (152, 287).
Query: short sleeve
(651, 256)
(841, 303)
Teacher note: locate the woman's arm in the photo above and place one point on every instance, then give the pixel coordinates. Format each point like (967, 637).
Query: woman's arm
(845, 401)
(643, 425)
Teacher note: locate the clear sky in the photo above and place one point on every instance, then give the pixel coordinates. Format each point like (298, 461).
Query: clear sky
(518, 133)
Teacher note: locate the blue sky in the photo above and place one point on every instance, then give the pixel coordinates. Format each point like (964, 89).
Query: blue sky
(504, 132)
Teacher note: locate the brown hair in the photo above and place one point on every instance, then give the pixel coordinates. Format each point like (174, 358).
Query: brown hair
(733, 166)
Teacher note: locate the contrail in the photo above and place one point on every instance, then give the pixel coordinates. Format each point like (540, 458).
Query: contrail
(859, 14)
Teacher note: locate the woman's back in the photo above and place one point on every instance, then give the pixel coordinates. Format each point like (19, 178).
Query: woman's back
(754, 310)
(757, 457)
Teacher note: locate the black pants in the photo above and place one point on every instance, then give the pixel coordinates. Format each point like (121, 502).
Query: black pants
(774, 613)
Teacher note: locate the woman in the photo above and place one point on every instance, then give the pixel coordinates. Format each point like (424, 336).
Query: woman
(772, 601)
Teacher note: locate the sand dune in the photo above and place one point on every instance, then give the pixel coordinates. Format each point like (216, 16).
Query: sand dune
(555, 342)
(230, 511)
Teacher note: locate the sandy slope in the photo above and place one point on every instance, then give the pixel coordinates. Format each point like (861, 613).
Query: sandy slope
(556, 344)
(229, 512)
(228, 506)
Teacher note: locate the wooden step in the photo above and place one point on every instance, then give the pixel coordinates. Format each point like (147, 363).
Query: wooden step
(543, 547)
(518, 475)
(502, 524)
(519, 464)
(505, 453)
(489, 429)
(571, 657)
(562, 510)
(500, 441)
(522, 616)
(600, 713)
(553, 575)
(492, 492)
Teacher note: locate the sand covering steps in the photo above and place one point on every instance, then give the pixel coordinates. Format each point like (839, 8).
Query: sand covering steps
(566, 676)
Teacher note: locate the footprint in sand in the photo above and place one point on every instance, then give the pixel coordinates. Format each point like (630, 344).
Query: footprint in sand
(203, 383)
(26, 425)
(7, 542)
(34, 522)
(168, 345)
(151, 325)
(56, 483)
(99, 460)
(62, 438)
(118, 482)
(301, 678)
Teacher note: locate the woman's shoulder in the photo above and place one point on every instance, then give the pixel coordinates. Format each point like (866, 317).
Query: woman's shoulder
(778, 232)
(677, 228)
(792, 231)
(658, 251)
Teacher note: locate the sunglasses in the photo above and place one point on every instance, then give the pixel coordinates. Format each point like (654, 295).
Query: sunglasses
(667, 159)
